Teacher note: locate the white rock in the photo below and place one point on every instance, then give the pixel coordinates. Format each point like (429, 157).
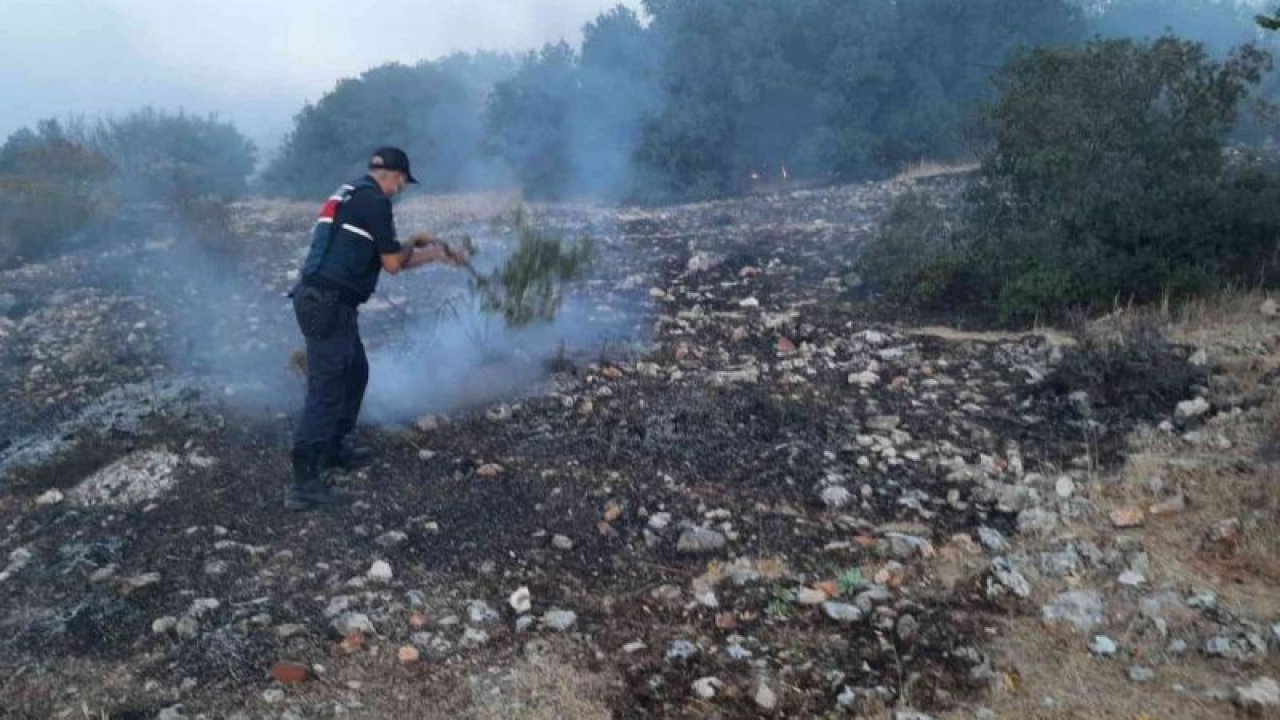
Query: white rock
(705, 688)
(842, 612)
(559, 619)
(836, 497)
(1270, 308)
(764, 696)
(1192, 408)
(864, 379)
(521, 600)
(50, 497)
(1082, 609)
(810, 596)
(1103, 646)
(380, 571)
(1132, 578)
(1260, 696)
(135, 478)
(560, 542)
(1065, 486)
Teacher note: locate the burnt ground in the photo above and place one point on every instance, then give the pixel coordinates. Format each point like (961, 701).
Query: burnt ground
(839, 473)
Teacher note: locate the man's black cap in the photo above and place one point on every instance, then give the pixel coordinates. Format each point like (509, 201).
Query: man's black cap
(390, 158)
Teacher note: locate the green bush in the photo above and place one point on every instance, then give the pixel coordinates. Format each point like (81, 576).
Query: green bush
(914, 262)
(1106, 181)
(174, 158)
(51, 187)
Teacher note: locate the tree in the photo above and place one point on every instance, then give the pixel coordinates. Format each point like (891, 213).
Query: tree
(51, 187)
(1270, 23)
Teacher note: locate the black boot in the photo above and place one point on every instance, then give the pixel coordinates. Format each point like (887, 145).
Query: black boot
(308, 490)
(342, 456)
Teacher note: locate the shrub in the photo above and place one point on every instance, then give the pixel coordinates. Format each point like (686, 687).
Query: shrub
(51, 187)
(175, 158)
(1106, 181)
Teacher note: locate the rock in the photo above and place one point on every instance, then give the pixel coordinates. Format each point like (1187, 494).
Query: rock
(1037, 520)
(907, 547)
(288, 630)
(203, 606)
(187, 627)
(474, 637)
(1194, 408)
(864, 379)
(272, 695)
(559, 619)
(1218, 647)
(911, 715)
(1127, 517)
(907, 627)
(1170, 507)
(521, 600)
(1260, 697)
(1064, 486)
(836, 497)
(479, 613)
(288, 672)
(351, 622)
(162, 625)
(1103, 646)
(700, 540)
(810, 596)
(705, 688)
(560, 542)
(408, 654)
(1132, 578)
(660, 520)
(1141, 674)
(135, 478)
(391, 538)
(1270, 308)
(842, 612)
(764, 696)
(1005, 578)
(883, 423)
(681, 650)
(1082, 609)
(50, 497)
(992, 540)
(380, 571)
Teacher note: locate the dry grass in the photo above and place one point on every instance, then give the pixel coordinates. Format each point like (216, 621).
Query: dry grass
(1229, 474)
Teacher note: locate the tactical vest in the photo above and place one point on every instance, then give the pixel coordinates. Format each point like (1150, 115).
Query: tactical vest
(342, 255)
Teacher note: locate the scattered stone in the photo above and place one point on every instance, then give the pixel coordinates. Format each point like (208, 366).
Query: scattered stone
(288, 672)
(272, 695)
(1065, 486)
(1005, 578)
(1127, 517)
(559, 619)
(660, 520)
(700, 540)
(392, 538)
(521, 601)
(351, 622)
(560, 542)
(1037, 520)
(1132, 578)
(480, 613)
(135, 478)
(1103, 646)
(810, 596)
(187, 628)
(1218, 647)
(50, 497)
(203, 606)
(764, 696)
(842, 612)
(1192, 408)
(992, 540)
(1269, 308)
(474, 637)
(681, 650)
(380, 571)
(1260, 697)
(162, 625)
(705, 688)
(1082, 609)
(408, 654)
(836, 497)
(1141, 674)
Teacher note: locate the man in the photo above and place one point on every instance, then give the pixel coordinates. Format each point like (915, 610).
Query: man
(353, 242)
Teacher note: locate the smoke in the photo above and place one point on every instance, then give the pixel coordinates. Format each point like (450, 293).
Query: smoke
(452, 354)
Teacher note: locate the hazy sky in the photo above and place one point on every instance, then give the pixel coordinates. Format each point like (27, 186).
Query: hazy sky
(254, 62)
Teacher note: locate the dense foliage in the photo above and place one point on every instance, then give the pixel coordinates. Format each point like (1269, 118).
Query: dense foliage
(433, 110)
(51, 186)
(1106, 181)
(174, 157)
